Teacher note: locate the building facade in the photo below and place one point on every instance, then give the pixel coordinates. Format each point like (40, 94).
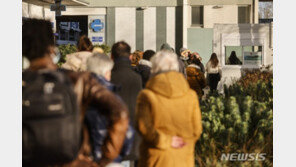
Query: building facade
(204, 26)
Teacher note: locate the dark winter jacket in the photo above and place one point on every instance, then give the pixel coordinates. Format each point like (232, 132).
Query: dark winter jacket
(182, 68)
(130, 84)
(143, 68)
(129, 81)
(202, 67)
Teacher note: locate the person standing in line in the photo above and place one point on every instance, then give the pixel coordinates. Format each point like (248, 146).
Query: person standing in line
(202, 67)
(182, 67)
(40, 84)
(77, 61)
(144, 66)
(168, 116)
(130, 84)
(136, 57)
(196, 77)
(214, 72)
(101, 65)
(185, 53)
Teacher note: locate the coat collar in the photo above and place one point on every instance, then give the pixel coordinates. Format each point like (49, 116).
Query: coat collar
(145, 62)
(194, 66)
(122, 62)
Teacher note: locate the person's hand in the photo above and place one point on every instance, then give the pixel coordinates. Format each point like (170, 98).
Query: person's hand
(177, 142)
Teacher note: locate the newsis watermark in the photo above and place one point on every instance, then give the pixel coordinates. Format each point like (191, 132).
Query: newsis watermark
(243, 156)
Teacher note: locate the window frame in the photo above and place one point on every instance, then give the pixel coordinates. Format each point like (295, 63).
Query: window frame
(249, 7)
(191, 18)
(243, 60)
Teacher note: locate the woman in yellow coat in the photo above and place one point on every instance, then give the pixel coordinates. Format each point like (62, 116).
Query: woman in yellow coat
(168, 116)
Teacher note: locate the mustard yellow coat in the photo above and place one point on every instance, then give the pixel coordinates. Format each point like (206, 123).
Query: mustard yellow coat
(167, 107)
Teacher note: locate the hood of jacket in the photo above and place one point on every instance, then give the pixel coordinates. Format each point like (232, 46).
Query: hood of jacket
(77, 61)
(170, 84)
(193, 70)
(145, 62)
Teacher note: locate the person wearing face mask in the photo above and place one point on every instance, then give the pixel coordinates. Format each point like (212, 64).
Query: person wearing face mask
(54, 104)
(185, 53)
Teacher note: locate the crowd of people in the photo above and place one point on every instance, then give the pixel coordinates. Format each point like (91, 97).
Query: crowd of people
(100, 110)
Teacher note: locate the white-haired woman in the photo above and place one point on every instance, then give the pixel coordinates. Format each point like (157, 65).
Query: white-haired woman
(101, 65)
(168, 116)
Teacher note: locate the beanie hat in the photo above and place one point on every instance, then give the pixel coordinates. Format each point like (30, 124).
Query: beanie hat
(166, 46)
(148, 54)
(182, 50)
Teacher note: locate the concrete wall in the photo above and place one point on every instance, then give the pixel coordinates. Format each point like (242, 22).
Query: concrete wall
(135, 3)
(150, 28)
(228, 14)
(125, 26)
(40, 12)
(220, 2)
(144, 29)
(200, 40)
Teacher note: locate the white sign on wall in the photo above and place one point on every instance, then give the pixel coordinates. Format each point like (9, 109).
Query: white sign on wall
(97, 29)
(252, 58)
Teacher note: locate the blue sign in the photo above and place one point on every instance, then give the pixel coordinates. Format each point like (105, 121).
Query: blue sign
(97, 39)
(97, 25)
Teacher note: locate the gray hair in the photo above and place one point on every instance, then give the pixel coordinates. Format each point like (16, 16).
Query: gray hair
(99, 63)
(164, 61)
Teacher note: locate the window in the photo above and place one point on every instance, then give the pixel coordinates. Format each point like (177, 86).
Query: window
(253, 55)
(234, 55)
(244, 14)
(197, 15)
(243, 55)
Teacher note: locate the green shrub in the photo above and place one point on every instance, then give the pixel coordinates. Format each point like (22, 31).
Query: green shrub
(241, 121)
(68, 49)
(65, 50)
(106, 48)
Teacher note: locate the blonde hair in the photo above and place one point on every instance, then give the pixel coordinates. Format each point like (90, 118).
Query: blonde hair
(136, 57)
(97, 50)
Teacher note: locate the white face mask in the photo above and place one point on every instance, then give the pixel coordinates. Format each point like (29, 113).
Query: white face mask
(56, 56)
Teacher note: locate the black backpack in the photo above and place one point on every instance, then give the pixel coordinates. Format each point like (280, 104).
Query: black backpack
(51, 129)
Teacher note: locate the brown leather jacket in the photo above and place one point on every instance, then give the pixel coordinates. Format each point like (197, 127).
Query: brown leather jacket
(89, 91)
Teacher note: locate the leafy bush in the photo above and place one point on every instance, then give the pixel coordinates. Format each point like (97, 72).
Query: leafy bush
(239, 122)
(68, 49)
(106, 48)
(65, 50)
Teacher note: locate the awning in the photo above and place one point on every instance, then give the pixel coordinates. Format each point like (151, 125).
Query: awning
(64, 2)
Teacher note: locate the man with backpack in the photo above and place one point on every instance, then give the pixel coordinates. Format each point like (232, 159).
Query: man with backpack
(54, 107)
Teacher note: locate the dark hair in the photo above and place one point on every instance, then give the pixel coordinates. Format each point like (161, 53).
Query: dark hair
(233, 58)
(214, 60)
(37, 37)
(120, 49)
(148, 54)
(195, 60)
(84, 44)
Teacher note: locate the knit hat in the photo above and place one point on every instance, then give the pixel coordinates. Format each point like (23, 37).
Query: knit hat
(166, 46)
(182, 50)
(148, 54)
